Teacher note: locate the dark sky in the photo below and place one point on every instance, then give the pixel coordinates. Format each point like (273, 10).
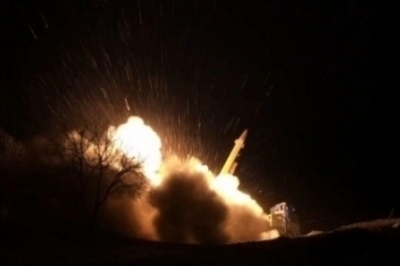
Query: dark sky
(307, 79)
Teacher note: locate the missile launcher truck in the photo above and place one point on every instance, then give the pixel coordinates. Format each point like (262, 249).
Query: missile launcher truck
(282, 217)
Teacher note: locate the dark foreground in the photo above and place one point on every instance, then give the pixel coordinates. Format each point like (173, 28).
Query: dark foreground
(354, 246)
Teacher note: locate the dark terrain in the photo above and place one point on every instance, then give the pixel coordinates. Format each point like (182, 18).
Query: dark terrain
(376, 245)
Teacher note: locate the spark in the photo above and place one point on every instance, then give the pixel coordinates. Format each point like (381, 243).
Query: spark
(44, 21)
(33, 33)
(269, 91)
(244, 82)
(127, 105)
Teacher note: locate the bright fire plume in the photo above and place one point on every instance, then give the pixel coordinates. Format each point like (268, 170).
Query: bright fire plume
(139, 141)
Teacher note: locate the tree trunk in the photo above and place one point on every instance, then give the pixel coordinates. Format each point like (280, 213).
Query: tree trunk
(93, 223)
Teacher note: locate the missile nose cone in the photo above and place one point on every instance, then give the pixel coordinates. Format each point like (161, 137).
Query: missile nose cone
(244, 135)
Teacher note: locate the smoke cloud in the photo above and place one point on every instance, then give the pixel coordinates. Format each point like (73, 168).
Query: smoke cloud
(189, 211)
(131, 218)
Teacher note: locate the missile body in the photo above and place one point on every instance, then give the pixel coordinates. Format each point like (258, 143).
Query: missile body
(230, 164)
(233, 168)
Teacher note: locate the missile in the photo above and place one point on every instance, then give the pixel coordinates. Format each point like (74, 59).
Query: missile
(230, 164)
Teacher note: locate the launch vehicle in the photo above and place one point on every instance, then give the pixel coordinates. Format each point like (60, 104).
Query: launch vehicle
(282, 216)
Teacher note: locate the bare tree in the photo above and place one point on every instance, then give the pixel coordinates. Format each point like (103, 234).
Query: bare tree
(11, 151)
(101, 170)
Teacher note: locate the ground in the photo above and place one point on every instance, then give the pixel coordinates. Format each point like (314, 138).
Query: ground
(370, 243)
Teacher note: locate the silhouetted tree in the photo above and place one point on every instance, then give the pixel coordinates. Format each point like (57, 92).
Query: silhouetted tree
(101, 170)
(11, 151)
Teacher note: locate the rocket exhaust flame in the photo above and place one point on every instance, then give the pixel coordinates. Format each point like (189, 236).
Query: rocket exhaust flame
(189, 204)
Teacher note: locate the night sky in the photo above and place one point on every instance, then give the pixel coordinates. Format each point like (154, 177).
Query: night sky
(308, 80)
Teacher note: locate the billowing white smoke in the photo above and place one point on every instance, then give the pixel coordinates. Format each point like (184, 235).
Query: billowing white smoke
(187, 202)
